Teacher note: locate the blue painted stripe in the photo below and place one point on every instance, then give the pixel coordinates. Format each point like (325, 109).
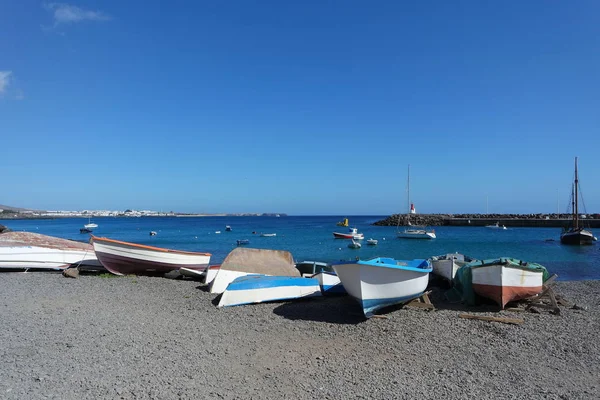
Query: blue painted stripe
(416, 265)
(334, 289)
(372, 305)
(263, 281)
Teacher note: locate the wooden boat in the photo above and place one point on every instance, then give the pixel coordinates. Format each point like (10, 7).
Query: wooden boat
(354, 244)
(268, 234)
(32, 251)
(503, 279)
(382, 282)
(446, 265)
(122, 258)
(575, 233)
(330, 283)
(243, 261)
(251, 289)
(241, 242)
(413, 231)
(193, 273)
(352, 234)
(372, 242)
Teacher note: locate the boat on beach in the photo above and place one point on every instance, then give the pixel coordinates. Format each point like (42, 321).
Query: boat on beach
(33, 251)
(576, 233)
(352, 234)
(123, 258)
(446, 265)
(211, 272)
(252, 289)
(502, 280)
(309, 268)
(243, 261)
(382, 281)
(330, 283)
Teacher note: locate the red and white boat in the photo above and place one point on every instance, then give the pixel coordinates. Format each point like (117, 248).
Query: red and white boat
(507, 279)
(352, 234)
(122, 258)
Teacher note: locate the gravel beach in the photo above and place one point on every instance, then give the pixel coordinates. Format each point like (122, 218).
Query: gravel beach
(155, 338)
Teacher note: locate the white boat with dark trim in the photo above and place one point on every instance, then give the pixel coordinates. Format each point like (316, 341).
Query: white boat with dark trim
(330, 283)
(252, 289)
(372, 242)
(354, 245)
(268, 234)
(413, 231)
(496, 226)
(122, 258)
(383, 281)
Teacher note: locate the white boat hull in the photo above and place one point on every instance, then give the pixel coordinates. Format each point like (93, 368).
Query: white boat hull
(377, 287)
(211, 272)
(123, 258)
(283, 288)
(33, 257)
(416, 234)
(506, 283)
(223, 278)
(445, 268)
(330, 283)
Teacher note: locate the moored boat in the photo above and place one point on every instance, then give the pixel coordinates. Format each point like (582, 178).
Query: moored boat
(575, 233)
(382, 281)
(343, 222)
(268, 234)
(352, 234)
(122, 258)
(502, 280)
(241, 242)
(372, 242)
(413, 231)
(354, 244)
(251, 289)
(496, 226)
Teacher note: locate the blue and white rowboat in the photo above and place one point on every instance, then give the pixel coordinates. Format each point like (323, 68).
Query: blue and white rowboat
(382, 282)
(260, 288)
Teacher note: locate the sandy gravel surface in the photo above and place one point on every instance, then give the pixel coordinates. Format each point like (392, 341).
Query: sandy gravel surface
(154, 338)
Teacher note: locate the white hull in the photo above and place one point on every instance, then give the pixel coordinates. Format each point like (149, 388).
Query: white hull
(33, 257)
(376, 287)
(445, 268)
(223, 278)
(416, 234)
(193, 273)
(503, 284)
(122, 258)
(211, 272)
(252, 296)
(330, 283)
(90, 226)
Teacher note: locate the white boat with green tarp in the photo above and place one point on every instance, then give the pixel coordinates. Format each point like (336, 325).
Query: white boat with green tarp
(502, 279)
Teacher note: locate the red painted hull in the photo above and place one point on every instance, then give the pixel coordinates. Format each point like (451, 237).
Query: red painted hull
(505, 294)
(342, 236)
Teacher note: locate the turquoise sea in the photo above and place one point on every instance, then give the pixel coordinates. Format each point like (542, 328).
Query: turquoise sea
(311, 238)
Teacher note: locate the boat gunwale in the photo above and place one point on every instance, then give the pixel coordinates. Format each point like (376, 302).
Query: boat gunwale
(146, 247)
(372, 263)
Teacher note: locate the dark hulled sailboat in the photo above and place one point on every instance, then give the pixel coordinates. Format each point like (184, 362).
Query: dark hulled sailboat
(576, 234)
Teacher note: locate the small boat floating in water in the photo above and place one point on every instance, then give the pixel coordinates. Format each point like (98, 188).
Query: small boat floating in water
(496, 226)
(227, 228)
(241, 242)
(252, 289)
(372, 242)
(382, 281)
(268, 234)
(352, 234)
(354, 244)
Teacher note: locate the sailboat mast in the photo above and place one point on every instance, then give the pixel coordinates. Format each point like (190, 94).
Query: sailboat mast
(576, 200)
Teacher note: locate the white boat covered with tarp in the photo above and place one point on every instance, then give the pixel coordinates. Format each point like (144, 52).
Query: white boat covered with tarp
(382, 281)
(252, 289)
(33, 251)
(243, 261)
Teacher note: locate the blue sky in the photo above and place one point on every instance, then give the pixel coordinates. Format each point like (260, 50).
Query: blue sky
(312, 107)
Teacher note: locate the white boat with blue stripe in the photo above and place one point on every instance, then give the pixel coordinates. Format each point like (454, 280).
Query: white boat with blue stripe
(330, 283)
(382, 281)
(251, 289)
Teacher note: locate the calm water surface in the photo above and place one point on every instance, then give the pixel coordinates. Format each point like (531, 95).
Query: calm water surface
(310, 238)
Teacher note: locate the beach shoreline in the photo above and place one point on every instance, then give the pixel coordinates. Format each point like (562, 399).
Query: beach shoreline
(143, 337)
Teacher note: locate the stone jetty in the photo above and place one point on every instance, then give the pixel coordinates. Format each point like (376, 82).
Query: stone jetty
(508, 220)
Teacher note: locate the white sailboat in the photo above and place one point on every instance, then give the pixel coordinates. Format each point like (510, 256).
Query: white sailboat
(413, 232)
(90, 225)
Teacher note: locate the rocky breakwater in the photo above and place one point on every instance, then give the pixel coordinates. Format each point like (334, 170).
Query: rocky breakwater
(417, 219)
(508, 220)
